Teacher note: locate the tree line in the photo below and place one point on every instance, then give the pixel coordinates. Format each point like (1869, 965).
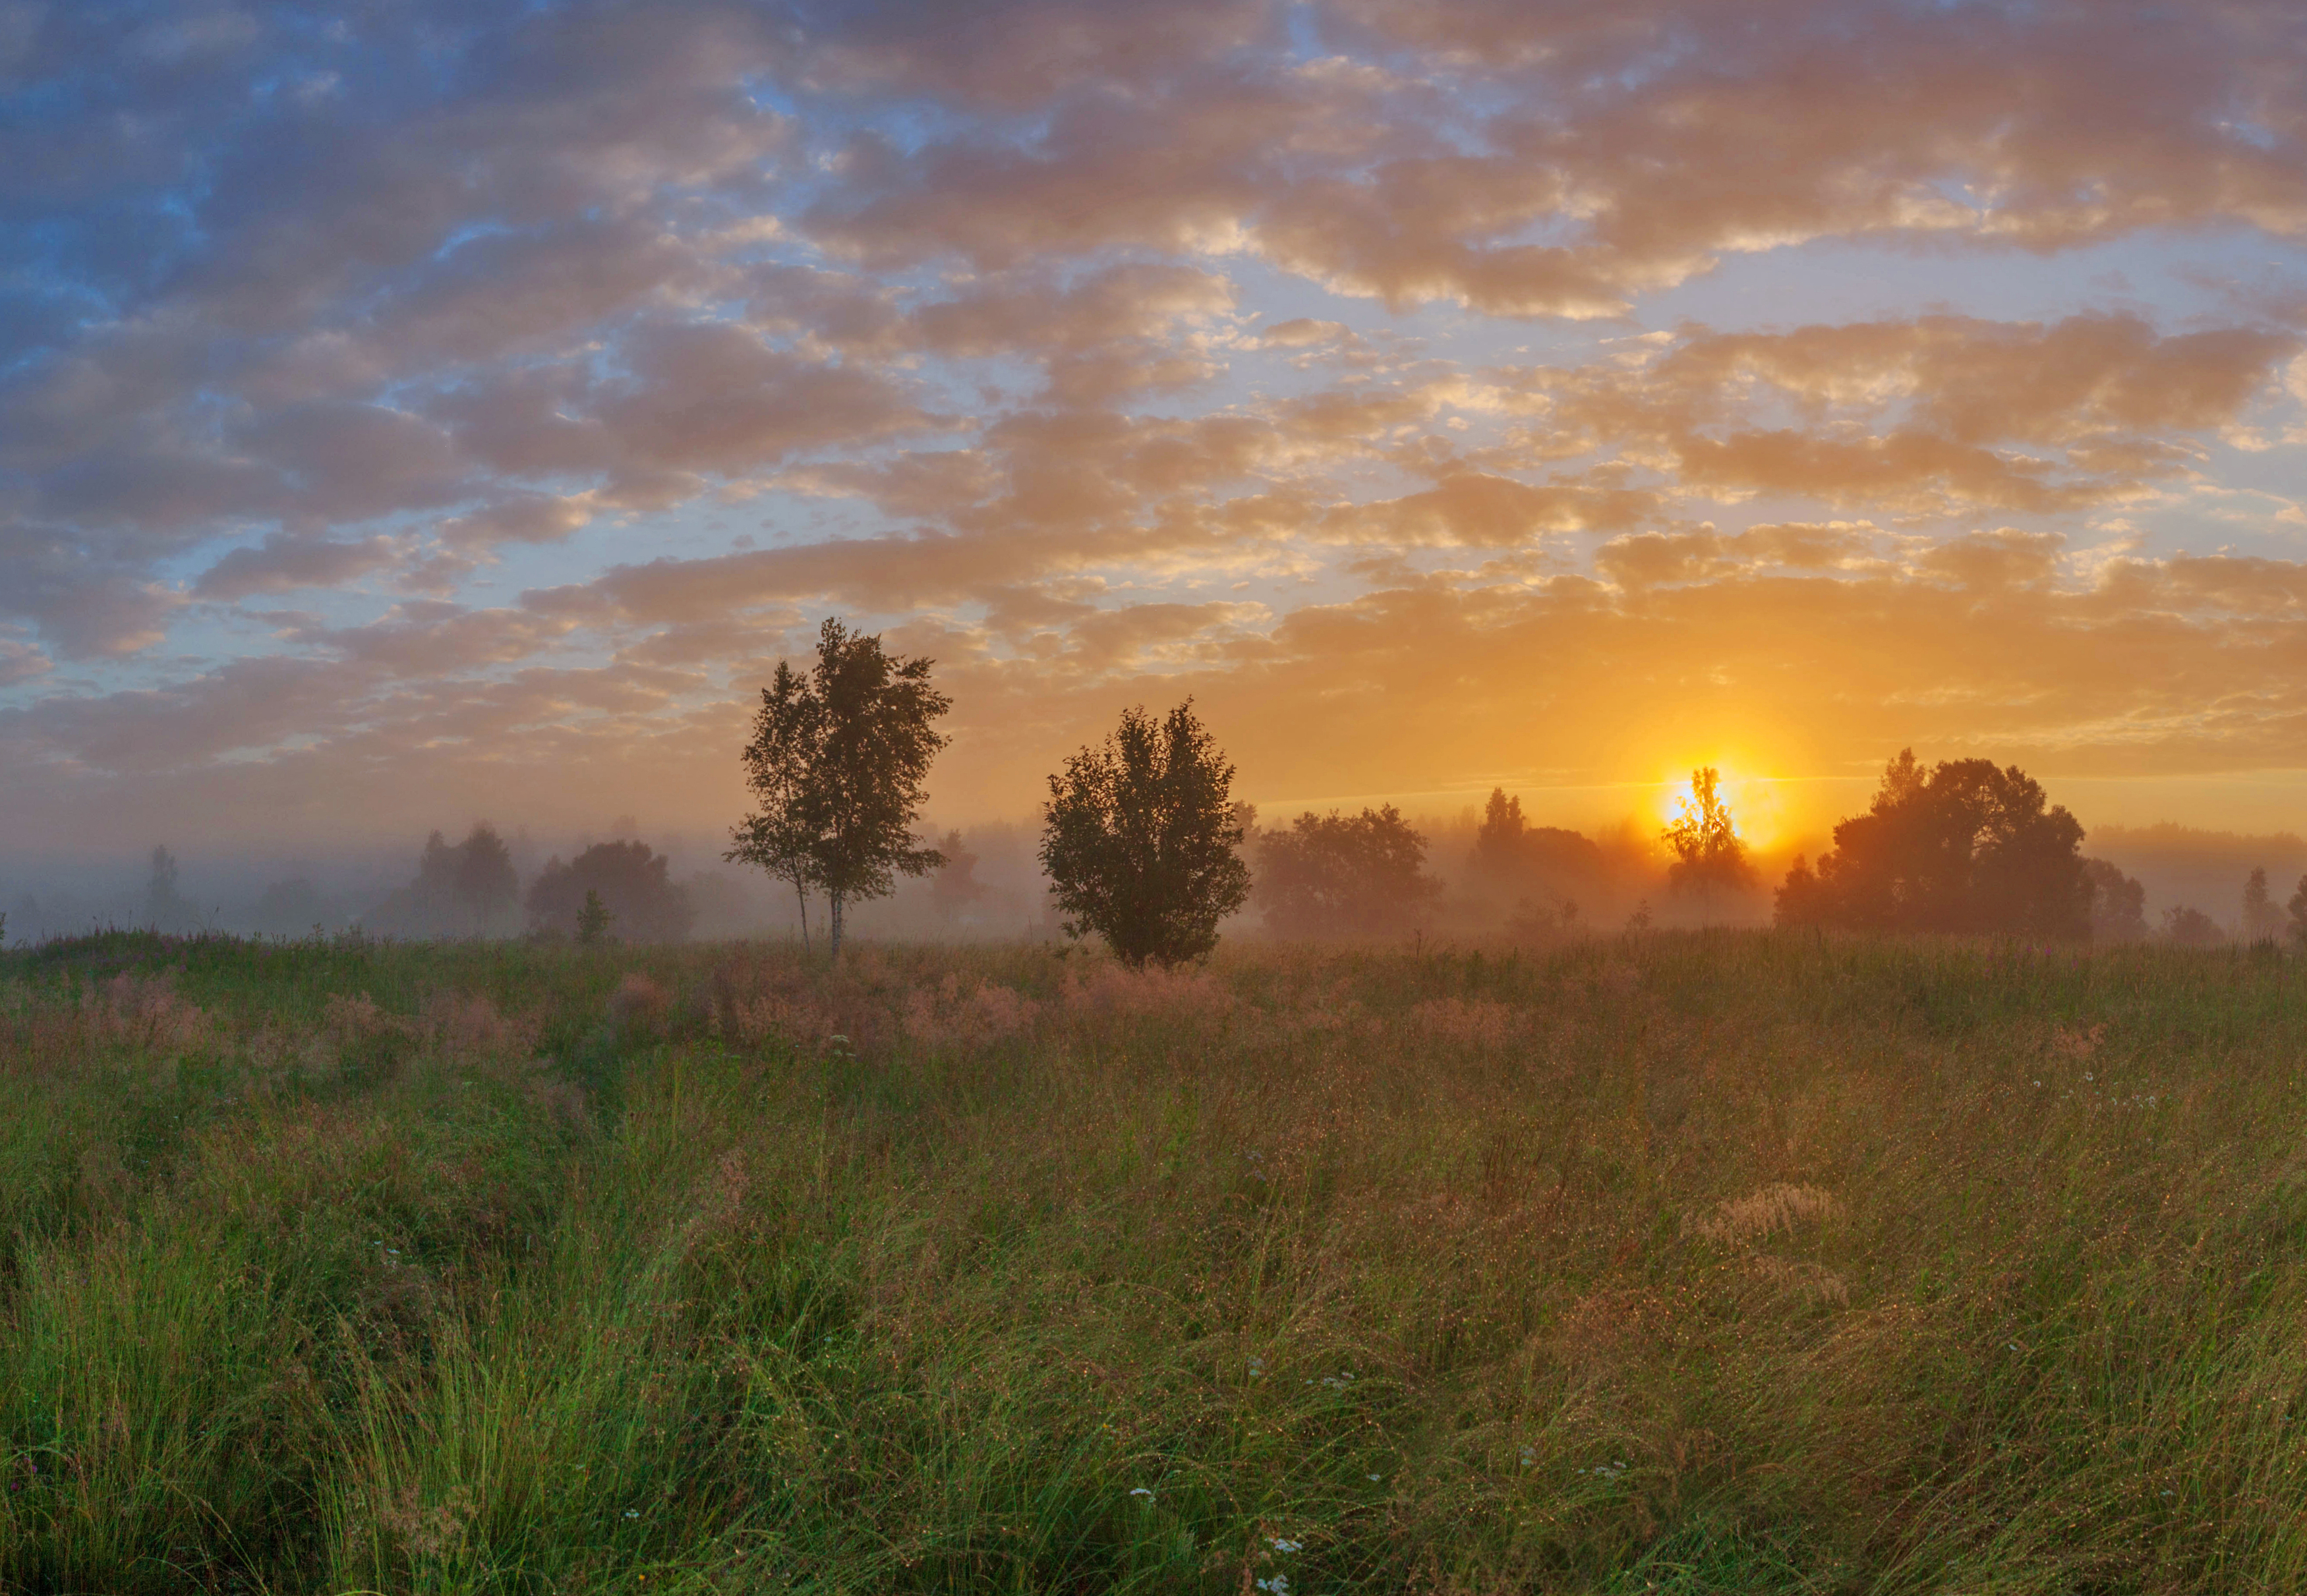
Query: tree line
(1146, 848)
(1144, 844)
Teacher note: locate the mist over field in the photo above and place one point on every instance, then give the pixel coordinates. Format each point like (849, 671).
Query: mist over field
(253, 894)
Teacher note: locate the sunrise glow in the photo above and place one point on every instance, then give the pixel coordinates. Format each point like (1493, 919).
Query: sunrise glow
(407, 424)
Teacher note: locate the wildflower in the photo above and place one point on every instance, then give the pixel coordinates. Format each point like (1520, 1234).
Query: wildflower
(1279, 1586)
(1139, 1491)
(1284, 1547)
(1257, 1369)
(633, 1512)
(1373, 1476)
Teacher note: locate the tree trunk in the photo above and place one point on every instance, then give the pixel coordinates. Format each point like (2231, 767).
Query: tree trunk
(833, 918)
(801, 893)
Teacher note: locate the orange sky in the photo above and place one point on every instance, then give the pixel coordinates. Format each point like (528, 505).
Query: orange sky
(400, 426)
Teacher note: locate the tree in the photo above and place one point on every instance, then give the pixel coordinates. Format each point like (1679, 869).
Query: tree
(486, 883)
(837, 761)
(166, 908)
(954, 886)
(1498, 842)
(1708, 856)
(1140, 841)
(593, 918)
(1961, 847)
(2118, 904)
(465, 889)
(2261, 920)
(2298, 908)
(2189, 928)
(1523, 859)
(780, 766)
(1331, 876)
(628, 880)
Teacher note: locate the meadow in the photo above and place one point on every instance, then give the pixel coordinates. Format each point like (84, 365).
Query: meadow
(1722, 1262)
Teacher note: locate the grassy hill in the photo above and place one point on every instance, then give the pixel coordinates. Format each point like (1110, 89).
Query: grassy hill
(1728, 1263)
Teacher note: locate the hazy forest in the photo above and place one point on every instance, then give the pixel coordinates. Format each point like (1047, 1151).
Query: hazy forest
(1168, 1198)
(492, 882)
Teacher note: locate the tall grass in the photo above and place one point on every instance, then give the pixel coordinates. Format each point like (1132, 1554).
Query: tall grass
(1725, 1262)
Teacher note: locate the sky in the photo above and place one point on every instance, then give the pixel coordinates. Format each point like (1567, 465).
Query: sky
(412, 412)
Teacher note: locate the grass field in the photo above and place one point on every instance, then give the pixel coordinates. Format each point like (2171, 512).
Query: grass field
(1730, 1262)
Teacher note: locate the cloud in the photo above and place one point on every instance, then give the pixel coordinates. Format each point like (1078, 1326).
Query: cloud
(1657, 143)
(519, 518)
(1019, 328)
(21, 661)
(282, 564)
(715, 398)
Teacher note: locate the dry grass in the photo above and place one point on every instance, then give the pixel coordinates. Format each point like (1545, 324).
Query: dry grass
(1722, 1263)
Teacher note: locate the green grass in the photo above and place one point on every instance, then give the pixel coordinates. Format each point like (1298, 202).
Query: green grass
(1727, 1263)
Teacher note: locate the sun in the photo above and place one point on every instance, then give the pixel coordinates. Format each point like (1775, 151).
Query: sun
(1753, 801)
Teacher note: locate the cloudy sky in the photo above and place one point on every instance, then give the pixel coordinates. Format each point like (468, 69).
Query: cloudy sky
(410, 411)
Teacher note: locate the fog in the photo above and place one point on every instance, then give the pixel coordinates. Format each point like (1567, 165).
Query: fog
(296, 894)
(1598, 881)
(2181, 866)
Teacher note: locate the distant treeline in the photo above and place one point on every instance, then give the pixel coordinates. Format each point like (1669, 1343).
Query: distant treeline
(1951, 850)
(1143, 847)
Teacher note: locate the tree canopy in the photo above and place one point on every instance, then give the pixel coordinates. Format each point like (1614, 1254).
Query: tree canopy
(2186, 926)
(166, 907)
(2262, 921)
(837, 765)
(469, 889)
(1708, 856)
(1139, 839)
(1958, 847)
(954, 886)
(626, 880)
(1522, 860)
(1340, 876)
(2118, 903)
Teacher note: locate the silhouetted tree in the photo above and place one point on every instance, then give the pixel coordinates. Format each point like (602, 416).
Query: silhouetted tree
(1498, 840)
(838, 762)
(2188, 927)
(2118, 904)
(1542, 860)
(1963, 847)
(466, 890)
(1139, 839)
(1708, 856)
(486, 883)
(1331, 876)
(2262, 921)
(2298, 909)
(954, 886)
(629, 880)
